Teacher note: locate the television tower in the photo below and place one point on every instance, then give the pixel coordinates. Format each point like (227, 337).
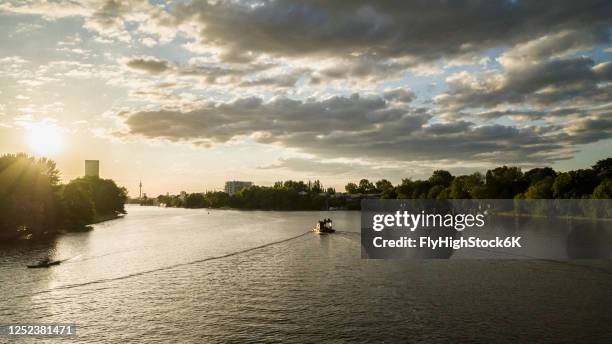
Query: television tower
(140, 189)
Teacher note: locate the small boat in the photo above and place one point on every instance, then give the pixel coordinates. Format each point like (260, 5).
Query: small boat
(324, 227)
(45, 263)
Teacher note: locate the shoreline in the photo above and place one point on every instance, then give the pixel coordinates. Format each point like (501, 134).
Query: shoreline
(563, 217)
(50, 234)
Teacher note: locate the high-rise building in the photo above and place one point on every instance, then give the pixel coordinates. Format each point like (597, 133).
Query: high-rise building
(234, 186)
(92, 168)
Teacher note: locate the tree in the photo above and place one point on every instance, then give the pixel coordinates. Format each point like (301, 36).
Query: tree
(441, 177)
(435, 191)
(575, 184)
(217, 199)
(316, 187)
(366, 187)
(29, 202)
(603, 168)
(537, 174)
(405, 189)
(195, 200)
(465, 187)
(603, 190)
(504, 182)
(541, 189)
(351, 188)
(386, 188)
(108, 198)
(421, 189)
(78, 204)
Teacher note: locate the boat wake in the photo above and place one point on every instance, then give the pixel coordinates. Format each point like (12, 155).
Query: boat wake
(105, 280)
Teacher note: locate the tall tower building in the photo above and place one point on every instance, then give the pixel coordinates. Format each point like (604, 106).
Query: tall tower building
(92, 168)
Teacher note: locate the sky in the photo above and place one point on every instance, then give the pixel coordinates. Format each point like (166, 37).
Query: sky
(185, 95)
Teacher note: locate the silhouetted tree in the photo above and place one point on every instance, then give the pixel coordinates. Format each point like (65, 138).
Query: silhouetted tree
(386, 188)
(575, 184)
(78, 204)
(542, 189)
(366, 187)
(441, 177)
(603, 169)
(29, 203)
(351, 188)
(537, 174)
(195, 200)
(603, 190)
(405, 189)
(504, 182)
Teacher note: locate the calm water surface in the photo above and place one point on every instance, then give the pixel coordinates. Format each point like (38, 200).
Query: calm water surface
(198, 276)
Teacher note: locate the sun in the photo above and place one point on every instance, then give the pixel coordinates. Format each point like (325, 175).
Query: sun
(44, 138)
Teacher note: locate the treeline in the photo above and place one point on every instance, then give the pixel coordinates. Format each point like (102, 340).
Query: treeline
(499, 183)
(33, 202)
(287, 195)
(505, 182)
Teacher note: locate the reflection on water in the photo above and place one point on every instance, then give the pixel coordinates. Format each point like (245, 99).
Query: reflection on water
(588, 241)
(161, 275)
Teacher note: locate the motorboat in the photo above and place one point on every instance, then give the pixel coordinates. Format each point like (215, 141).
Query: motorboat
(324, 227)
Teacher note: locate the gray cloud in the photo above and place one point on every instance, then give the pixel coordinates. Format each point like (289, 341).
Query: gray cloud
(239, 75)
(542, 83)
(426, 30)
(362, 127)
(402, 95)
(149, 65)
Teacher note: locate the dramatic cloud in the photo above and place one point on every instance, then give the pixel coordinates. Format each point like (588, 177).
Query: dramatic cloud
(366, 127)
(389, 29)
(465, 82)
(542, 83)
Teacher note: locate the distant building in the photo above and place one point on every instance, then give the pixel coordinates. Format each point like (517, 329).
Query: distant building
(92, 168)
(234, 186)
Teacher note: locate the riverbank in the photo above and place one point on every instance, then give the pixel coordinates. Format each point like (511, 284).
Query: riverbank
(25, 235)
(562, 217)
(98, 218)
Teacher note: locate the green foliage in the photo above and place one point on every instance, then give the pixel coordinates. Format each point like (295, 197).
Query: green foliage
(465, 187)
(33, 202)
(575, 184)
(351, 188)
(405, 189)
(171, 201)
(441, 177)
(196, 200)
(542, 189)
(603, 190)
(386, 188)
(78, 204)
(504, 182)
(217, 199)
(366, 187)
(603, 169)
(28, 195)
(535, 175)
(435, 191)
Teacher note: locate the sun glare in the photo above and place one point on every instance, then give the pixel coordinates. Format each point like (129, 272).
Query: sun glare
(44, 138)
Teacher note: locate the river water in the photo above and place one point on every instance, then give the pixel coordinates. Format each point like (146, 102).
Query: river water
(199, 276)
